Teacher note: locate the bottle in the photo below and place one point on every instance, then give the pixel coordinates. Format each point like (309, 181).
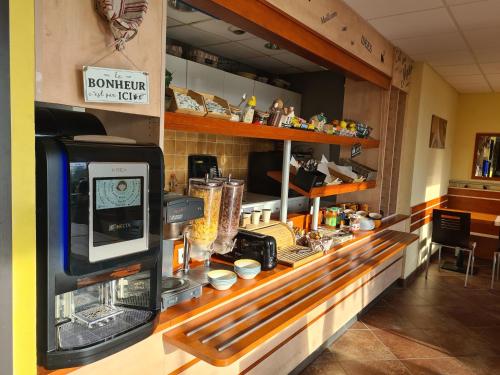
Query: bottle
(249, 110)
(289, 115)
(275, 116)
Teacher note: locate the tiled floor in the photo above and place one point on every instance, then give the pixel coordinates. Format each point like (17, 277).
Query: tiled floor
(435, 326)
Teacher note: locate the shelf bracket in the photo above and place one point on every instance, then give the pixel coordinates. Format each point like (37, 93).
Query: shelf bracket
(287, 153)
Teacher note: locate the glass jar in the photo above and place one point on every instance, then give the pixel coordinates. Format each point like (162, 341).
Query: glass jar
(203, 231)
(229, 217)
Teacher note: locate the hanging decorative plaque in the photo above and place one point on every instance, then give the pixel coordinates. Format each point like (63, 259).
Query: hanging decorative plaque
(105, 85)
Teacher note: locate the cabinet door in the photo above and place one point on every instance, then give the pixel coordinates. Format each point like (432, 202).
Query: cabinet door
(178, 67)
(235, 86)
(202, 78)
(292, 98)
(265, 95)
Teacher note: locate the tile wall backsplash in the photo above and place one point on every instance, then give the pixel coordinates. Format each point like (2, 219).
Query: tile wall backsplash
(231, 152)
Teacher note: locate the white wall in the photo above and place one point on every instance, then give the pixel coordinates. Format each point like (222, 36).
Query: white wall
(424, 171)
(205, 79)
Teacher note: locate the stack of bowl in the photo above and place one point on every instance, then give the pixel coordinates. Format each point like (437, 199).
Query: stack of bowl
(247, 268)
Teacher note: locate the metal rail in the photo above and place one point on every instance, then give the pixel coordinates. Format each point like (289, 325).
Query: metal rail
(240, 335)
(228, 327)
(336, 259)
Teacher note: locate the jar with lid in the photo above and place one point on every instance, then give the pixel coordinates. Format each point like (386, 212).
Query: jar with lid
(203, 231)
(229, 217)
(275, 115)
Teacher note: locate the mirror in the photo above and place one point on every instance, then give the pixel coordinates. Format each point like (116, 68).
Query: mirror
(486, 159)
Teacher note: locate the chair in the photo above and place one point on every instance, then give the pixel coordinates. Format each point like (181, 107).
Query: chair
(452, 229)
(496, 261)
(496, 267)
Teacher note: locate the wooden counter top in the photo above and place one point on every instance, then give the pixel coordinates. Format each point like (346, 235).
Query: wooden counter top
(225, 334)
(213, 299)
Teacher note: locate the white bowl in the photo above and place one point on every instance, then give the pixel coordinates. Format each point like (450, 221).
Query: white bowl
(221, 279)
(366, 224)
(247, 268)
(375, 216)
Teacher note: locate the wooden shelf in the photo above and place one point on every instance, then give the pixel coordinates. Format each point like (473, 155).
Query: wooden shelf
(325, 191)
(189, 123)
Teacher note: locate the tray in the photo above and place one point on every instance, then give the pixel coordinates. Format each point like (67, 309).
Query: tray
(174, 105)
(292, 257)
(221, 102)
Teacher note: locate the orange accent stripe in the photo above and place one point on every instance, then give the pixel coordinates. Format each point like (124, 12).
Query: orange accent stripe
(427, 212)
(185, 366)
(424, 205)
(419, 224)
(296, 333)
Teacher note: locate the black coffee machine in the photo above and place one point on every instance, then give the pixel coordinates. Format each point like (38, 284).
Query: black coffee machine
(99, 238)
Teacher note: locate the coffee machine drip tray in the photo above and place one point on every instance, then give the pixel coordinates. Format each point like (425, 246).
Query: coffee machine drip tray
(98, 325)
(175, 290)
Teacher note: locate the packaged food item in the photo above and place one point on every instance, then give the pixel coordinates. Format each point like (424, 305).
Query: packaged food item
(260, 118)
(249, 110)
(229, 216)
(204, 230)
(276, 115)
(186, 102)
(289, 115)
(215, 107)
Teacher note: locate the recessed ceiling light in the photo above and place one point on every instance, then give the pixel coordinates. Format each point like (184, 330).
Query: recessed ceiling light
(270, 45)
(235, 30)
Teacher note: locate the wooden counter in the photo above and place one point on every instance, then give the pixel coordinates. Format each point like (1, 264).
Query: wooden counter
(225, 334)
(211, 297)
(283, 297)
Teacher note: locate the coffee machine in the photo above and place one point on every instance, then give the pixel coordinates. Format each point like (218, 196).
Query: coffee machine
(99, 239)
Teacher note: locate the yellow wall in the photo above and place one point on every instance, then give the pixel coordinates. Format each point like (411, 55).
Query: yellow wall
(477, 113)
(22, 83)
(424, 171)
(431, 167)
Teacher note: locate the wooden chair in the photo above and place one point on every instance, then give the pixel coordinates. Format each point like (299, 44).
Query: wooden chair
(452, 229)
(495, 272)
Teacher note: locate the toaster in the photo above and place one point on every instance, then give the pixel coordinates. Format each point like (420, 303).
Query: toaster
(252, 245)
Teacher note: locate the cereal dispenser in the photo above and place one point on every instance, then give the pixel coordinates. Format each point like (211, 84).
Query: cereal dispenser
(229, 217)
(203, 231)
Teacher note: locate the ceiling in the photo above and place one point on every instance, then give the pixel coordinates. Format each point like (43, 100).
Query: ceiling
(460, 39)
(213, 35)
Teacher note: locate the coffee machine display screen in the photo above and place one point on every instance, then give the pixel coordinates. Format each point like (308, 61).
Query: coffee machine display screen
(117, 193)
(118, 218)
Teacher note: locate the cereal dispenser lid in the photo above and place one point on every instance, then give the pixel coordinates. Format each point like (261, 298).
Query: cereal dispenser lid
(230, 181)
(205, 182)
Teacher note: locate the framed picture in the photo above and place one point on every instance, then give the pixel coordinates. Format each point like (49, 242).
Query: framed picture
(438, 132)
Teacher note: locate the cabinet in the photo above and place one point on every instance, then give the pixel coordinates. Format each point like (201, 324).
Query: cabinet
(178, 67)
(202, 78)
(266, 94)
(235, 86)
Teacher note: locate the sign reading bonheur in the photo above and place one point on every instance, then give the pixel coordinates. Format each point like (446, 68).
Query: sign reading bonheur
(106, 85)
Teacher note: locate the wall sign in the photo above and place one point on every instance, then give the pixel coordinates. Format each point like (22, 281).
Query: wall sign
(402, 70)
(105, 85)
(356, 150)
(337, 22)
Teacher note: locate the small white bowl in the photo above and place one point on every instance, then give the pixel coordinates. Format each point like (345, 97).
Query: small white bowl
(221, 279)
(361, 213)
(375, 216)
(247, 268)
